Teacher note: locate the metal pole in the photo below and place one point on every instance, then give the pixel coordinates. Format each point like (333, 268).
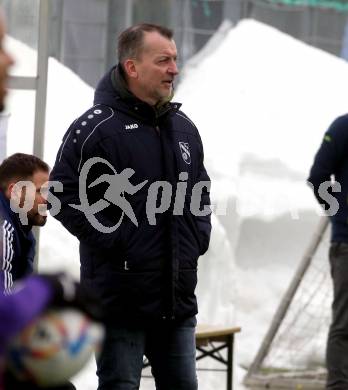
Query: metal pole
(60, 8)
(286, 301)
(41, 94)
(22, 82)
(42, 69)
(233, 10)
(230, 362)
(129, 13)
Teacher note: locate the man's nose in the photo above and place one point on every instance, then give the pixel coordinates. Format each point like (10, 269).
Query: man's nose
(173, 69)
(44, 196)
(10, 59)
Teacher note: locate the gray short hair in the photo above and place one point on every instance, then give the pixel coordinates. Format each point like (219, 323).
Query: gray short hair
(130, 41)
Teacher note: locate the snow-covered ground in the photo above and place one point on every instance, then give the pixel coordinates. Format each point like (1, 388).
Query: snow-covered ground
(262, 101)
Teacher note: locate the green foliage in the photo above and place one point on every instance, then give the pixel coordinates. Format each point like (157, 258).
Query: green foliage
(338, 5)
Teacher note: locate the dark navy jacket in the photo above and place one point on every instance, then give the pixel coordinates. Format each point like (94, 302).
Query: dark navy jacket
(147, 272)
(18, 247)
(332, 159)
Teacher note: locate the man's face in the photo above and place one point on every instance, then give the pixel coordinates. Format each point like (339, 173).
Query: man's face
(156, 68)
(5, 62)
(39, 179)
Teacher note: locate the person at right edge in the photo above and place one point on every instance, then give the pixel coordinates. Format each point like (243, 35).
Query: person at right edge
(144, 269)
(329, 180)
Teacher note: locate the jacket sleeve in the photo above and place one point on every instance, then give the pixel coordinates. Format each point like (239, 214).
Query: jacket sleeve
(203, 222)
(17, 309)
(330, 156)
(67, 170)
(6, 255)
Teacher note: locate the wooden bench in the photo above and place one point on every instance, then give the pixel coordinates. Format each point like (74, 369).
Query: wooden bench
(210, 341)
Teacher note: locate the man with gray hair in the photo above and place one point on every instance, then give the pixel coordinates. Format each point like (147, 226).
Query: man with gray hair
(141, 264)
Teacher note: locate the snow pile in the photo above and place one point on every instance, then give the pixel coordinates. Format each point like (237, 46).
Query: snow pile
(262, 101)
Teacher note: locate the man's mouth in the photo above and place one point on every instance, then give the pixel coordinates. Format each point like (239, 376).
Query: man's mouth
(168, 82)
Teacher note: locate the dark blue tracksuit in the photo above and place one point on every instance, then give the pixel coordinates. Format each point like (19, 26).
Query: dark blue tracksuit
(18, 249)
(331, 162)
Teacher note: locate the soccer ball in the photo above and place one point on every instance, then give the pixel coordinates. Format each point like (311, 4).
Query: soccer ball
(54, 347)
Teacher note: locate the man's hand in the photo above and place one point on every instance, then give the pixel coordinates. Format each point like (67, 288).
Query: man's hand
(68, 292)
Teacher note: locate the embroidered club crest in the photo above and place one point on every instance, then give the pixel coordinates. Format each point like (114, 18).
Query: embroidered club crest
(185, 152)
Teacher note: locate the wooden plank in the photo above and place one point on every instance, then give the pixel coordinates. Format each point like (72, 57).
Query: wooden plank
(259, 382)
(215, 332)
(22, 82)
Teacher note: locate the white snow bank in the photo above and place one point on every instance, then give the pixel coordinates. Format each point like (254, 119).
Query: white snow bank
(262, 102)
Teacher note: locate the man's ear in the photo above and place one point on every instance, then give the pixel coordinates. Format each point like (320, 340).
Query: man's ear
(130, 69)
(11, 190)
(14, 191)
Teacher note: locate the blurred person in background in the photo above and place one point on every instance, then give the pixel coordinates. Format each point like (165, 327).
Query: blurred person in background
(20, 209)
(28, 299)
(34, 294)
(331, 162)
(144, 271)
(23, 188)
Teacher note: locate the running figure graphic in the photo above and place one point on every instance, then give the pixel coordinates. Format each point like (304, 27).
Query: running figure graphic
(119, 184)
